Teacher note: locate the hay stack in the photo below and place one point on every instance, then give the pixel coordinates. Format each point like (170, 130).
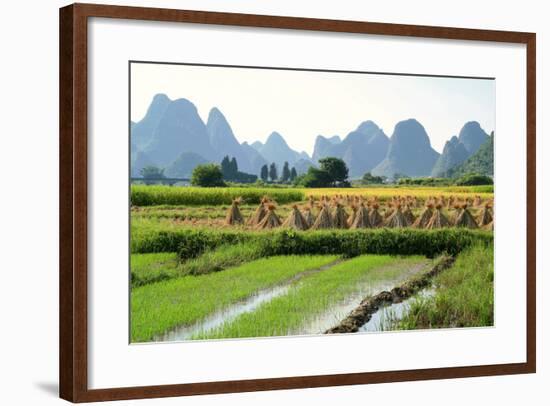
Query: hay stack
(308, 217)
(233, 214)
(489, 227)
(270, 220)
(354, 208)
(438, 219)
(295, 220)
(450, 202)
(477, 201)
(397, 219)
(362, 218)
(388, 211)
(323, 219)
(409, 214)
(259, 214)
(465, 218)
(340, 217)
(424, 218)
(456, 209)
(376, 219)
(486, 216)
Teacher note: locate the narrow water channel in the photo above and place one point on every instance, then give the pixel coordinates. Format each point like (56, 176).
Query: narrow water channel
(338, 311)
(386, 315)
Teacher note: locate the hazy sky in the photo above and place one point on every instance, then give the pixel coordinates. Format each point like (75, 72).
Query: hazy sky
(301, 105)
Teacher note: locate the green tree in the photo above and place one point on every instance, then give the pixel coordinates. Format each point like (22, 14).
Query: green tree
(264, 173)
(234, 168)
(207, 175)
(152, 172)
(226, 167)
(370, 179)
(285, 176)
(293, 174)
(337, 170)
(472, 179)
(273, 172)
(316, 178)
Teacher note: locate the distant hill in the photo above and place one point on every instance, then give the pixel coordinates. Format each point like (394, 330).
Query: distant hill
(180, 129)
(142, 131)
(223, 141)
(173, 136)
(410, 152)
(361, 150)
(482, 162)
(472, 136)
(454, 153)
(458, 149)
(183, 166)
(277, 150)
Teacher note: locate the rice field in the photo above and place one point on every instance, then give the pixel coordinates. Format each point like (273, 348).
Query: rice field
(161, 306)
(312, 297)
(206, 264)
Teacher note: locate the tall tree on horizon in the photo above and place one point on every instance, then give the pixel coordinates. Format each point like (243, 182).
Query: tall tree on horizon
(234, 167)
(273, 172)
(293, 174)
(285, 176)
(226, 167)
(264, 173)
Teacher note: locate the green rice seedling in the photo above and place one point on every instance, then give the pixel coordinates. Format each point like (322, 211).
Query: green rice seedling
(464, 295)
(314, 295)
(158, 307)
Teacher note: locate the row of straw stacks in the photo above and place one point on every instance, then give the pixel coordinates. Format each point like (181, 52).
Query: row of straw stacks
(364, 214)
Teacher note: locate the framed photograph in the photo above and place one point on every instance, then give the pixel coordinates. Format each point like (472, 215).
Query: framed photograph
(255, 202)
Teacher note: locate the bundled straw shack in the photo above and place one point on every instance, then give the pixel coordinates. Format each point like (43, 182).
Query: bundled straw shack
(465, 218)
(233, 214)
(340, 217)
(486, 215)
(376, 219)
(295, 220)
(424, 218)
(489, 226)
(354, 208)
(323, 220)
(409, 214)
(259, 214)
(270, 220)
(308, 216)
(362, 218)
(397, 219)
(438, 220)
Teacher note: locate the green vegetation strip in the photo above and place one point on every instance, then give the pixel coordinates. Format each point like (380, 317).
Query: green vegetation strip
(312, 296)
(159, 307)
(464, 295)
(143, 195)
(155, 267)
(150, 236)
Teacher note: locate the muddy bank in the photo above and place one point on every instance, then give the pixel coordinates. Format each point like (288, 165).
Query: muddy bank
(363, 313)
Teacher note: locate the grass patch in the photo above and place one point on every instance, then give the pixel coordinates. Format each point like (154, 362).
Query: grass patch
(159, 307)
(464, 295)
(312, 296)
(155, 267)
